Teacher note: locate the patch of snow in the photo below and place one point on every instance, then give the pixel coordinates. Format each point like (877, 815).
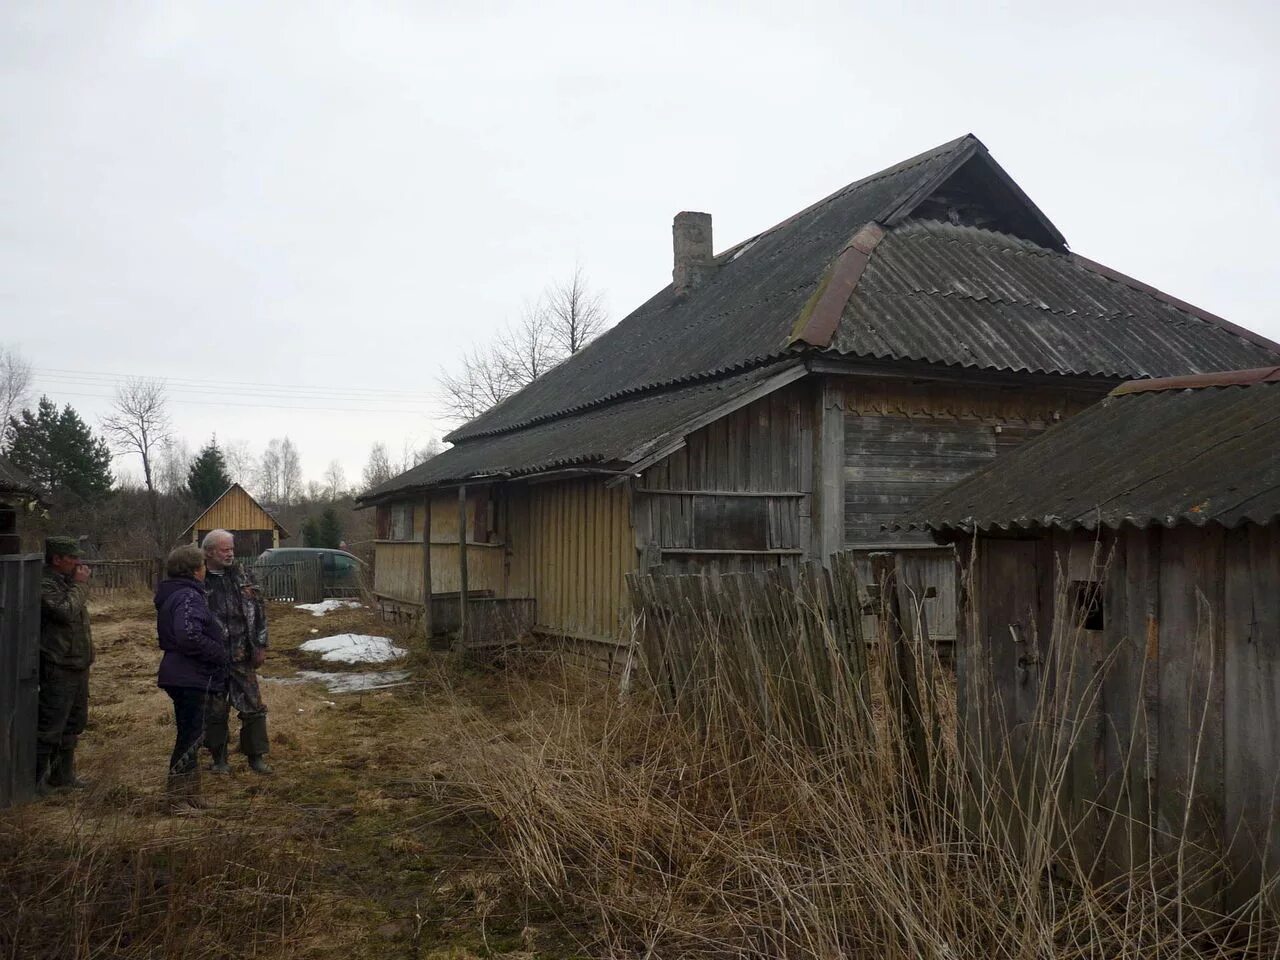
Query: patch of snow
(327, 606)
(343, 682)
(354, 648)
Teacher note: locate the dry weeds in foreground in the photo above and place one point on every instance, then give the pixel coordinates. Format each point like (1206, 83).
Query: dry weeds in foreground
(706, 835)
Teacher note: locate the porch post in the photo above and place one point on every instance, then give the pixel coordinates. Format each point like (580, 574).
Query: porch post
(426, 566)
(462, 566)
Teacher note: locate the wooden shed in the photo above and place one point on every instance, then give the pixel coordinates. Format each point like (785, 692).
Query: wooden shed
(785, 398)
(1129, 561)
(19, 494)
(235, 511)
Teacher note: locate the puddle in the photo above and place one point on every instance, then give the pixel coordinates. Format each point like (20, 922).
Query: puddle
(345, 682)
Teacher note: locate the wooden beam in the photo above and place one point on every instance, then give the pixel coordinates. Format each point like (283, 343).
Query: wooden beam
(462, 564)
(427, 626)
(827, 529)
(721, 493)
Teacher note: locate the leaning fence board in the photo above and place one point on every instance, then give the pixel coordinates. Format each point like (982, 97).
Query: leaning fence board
(19, 675)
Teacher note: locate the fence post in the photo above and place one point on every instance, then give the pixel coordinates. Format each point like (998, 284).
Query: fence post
(426, 566)
(905, 687)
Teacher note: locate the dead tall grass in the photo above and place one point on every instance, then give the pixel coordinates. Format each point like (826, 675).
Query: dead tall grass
(720, 832)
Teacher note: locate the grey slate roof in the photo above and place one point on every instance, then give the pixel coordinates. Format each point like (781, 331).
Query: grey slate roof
(13, 480)
(617, 433)
(1009, 300)
(1186, 450)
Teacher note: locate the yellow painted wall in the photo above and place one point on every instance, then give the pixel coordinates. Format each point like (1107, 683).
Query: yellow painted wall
(236, 510)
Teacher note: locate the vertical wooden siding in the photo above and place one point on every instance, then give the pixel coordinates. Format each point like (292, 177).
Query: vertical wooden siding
(764, 449)
(236, 510)
(398, 564)
(571, 545)
(1191, 634)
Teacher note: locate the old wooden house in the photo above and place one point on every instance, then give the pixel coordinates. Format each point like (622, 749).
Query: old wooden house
(786, 397)
(235, 511)
(1129, 561)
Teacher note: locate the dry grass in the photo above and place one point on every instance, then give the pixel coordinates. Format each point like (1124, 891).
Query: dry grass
(350, 851)
(715, 833)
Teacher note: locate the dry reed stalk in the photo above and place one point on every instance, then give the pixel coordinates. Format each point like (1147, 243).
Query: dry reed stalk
(753, 802)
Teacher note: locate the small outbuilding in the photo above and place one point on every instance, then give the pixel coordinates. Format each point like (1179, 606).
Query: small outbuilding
(1126, 564)
(235, 511)
(18, 494)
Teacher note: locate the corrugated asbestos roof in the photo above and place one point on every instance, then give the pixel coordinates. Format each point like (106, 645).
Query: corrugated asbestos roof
(617, 433)
(741, 316)
(13, 480)
(854, 276)
(1162, 453)
(969, 297)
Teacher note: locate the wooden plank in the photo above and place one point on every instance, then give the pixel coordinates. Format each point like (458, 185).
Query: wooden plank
(427, 625)
(462, 566)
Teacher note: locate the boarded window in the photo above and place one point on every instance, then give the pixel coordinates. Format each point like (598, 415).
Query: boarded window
(730, 523)
(402, 521)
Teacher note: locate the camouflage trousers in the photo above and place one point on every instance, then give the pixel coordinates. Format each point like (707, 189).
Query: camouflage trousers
(64, 707)
(243, 694)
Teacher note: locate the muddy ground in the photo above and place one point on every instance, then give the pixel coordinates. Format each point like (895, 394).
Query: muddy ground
(355, 848)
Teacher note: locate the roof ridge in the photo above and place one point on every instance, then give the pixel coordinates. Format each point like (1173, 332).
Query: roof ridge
(1201, 381)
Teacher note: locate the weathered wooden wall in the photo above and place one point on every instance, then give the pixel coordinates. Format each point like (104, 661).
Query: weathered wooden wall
(571, 545)
(235, 510)
(1189, 652)
(905, 441)
(19, 675)
(397, 572)
(737, 497)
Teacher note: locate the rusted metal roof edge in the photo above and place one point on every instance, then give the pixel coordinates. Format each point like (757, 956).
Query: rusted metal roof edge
(1200, 381)
(1110, 273)
(820, 317)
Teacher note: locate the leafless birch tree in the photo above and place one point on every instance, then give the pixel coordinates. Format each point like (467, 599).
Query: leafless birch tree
(139, 424)
(15, 388)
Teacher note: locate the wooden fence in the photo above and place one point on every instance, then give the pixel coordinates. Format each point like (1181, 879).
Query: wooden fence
(298, 581)
(122, 576)
(19, 675)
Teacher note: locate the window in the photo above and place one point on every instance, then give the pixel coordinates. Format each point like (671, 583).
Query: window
(402, 521)
(1086, 595)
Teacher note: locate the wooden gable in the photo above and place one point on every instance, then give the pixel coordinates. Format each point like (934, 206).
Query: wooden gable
(235, 510)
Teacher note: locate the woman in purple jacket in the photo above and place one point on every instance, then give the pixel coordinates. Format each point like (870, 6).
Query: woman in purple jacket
(194, 665)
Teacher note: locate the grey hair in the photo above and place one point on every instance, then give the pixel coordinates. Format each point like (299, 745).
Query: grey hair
(184, 561)
(212, 537)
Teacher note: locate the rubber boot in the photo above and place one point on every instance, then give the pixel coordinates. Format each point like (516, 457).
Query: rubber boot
(258, 764)
(45, 760)
(64, 774)
(182, 790)
(220, 764)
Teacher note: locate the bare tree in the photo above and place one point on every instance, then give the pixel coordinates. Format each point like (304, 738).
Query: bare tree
(175, 464)
(335, 480)
(290, 472)
(15, 388)
(268, 478)
(139, 423)
(576, 314)
(560, 323)
(378, 469)
(239, 461)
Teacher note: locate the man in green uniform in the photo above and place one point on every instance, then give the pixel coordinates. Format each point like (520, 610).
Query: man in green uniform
(236, 603)
(66, 651)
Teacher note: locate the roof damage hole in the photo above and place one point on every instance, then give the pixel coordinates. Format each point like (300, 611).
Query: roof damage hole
(1086, 597)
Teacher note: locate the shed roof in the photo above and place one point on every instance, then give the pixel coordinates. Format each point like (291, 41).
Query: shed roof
(1181, 450)
(236, 488)
(14, 481)
(876, 271)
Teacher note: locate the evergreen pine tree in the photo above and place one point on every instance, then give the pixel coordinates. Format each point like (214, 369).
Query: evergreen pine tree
(311, 533)
(208, 477)
(330, 529)
(60, 452)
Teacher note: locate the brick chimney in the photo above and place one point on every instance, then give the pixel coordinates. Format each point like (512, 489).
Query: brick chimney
(691, 238)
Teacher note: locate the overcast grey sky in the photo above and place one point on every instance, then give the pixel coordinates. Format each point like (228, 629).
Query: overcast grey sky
(347, 196)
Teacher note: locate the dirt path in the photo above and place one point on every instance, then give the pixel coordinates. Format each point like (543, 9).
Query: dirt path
(352, 849)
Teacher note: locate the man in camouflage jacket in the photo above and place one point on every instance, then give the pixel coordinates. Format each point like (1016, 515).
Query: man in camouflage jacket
(66, 651)
(237, 605)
